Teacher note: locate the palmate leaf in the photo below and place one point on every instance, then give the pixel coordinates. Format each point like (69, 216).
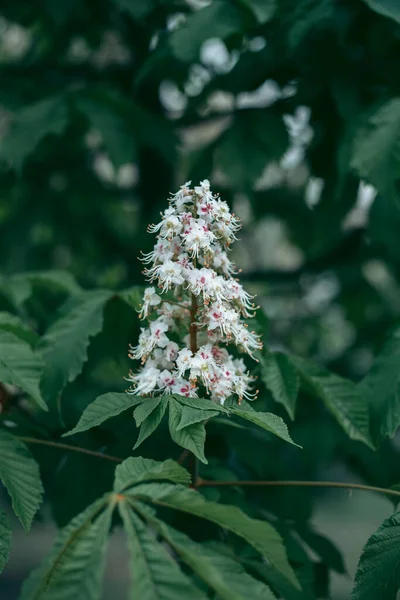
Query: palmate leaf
(155, 573)
(220, 572)
(341, 397)
(381, 390)
(103, 408)
(268, 421)
(65, 344)
(20, 474)
(259, 534)
(21, 366)
(74, 568)
(5, 540)
(136, 469)
(281, 379)
(378, 571)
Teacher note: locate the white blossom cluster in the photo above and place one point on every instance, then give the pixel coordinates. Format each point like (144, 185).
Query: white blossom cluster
(197, 312)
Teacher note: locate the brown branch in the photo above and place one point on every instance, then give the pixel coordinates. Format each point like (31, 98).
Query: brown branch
(30, 440)
(324, 484)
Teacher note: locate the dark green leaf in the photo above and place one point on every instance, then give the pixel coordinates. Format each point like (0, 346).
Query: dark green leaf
(255, 139)
(21, 366)
(259, 534)
(267, 421)
(20, 474)
(31, 124)
(103, 408)
(15, 325)
(145, 409)
(378, 571)
(192, 437)
(281, 379)
(74, 568)
(65, 344)
(381, 390)
(5, 540)
(135, 469)
(388, 8)
(341, 396)
(194, 415)
(376, 150)
(150, 424)
(155, 574)
(220, 19)
(138, 9)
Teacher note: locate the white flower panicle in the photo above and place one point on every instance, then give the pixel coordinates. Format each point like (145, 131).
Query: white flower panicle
(184, 349)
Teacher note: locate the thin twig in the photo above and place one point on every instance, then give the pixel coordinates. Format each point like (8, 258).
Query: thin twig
(324, 484)
(183, 457)
(30, 440)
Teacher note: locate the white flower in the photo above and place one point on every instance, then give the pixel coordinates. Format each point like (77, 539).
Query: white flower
(166, 380)
(171, 351)
(167, 274)
(203, 307)
(145, 381)
(183, 360)
(157, 330)
(150, 298)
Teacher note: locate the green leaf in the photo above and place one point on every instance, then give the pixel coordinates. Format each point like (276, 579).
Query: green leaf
(21, 366)
(220, 19)
(381, 390)
(74, 568)
(150, 424)
(199, 403)
(5, 540)
(221, 573)
(66, 343)
(378, 571)
(133, 296)
(267, 421)
(376, 149)
(192, 437)
(145, 409)
(281, 379)
(255, 139)
(388, 8)
(31, 124)
(138, 9)
(259, 534)
(20, 474)
(118, 138)
(194, 415)
(136, 469)
(323, 547)
(341, 396)
(155, 574)
(103, 408)
(263, 10)
(15, 325)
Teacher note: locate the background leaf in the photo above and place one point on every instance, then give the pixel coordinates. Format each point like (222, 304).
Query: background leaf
(20, 474)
